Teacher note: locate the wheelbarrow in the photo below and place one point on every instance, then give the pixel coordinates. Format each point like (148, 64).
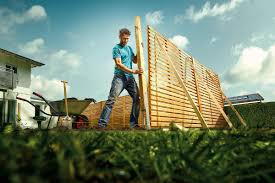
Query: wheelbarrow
(57, 109)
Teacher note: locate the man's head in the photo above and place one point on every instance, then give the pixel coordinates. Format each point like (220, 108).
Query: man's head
(124, 35)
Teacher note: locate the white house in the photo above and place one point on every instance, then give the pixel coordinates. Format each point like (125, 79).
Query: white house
(15, 80)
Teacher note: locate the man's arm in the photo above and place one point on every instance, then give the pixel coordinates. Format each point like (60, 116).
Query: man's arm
(126, 69)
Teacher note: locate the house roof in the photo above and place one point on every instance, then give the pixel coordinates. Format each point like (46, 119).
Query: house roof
(25, 59)
(245, 98)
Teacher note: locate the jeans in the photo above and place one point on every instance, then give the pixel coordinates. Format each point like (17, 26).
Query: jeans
(119, 83)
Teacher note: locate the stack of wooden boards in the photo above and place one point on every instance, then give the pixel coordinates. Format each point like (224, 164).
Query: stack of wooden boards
(167, 100)
(120, 116)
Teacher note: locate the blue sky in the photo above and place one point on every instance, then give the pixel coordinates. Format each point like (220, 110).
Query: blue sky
(75, 38)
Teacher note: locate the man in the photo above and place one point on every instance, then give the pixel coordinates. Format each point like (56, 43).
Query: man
(123, 79)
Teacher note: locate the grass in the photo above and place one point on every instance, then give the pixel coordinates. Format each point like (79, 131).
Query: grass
(242, 155)
(137, 156)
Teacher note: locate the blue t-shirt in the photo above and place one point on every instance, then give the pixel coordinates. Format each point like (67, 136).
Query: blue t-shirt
(126, 54)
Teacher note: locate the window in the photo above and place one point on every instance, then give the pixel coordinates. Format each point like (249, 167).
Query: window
(11, 111)
(8, 68)
(11, 68)
(14, 70)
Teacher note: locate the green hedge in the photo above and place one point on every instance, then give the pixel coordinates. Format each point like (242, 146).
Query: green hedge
(137, 156)
(257, 115)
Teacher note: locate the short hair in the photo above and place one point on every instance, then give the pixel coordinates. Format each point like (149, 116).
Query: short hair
(124, 31)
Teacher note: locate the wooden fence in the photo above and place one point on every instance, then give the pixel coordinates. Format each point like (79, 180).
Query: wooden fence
(168, 102)
(120, 116)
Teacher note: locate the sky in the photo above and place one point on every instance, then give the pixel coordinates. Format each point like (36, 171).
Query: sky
(235, 38)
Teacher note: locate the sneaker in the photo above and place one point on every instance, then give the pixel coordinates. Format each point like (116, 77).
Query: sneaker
(137, 127)
(97, 127)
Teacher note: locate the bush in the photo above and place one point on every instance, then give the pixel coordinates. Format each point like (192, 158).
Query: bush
(257, 115)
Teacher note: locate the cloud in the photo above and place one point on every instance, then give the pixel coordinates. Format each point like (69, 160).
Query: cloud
(60, 63)
(180, 41)
(254, 66)
(248, 66)
(57, 62)
(51, 89)
(226, 18)
(36, 13)
(262, 38)
(64, 57)
(255, 38)
(237, 49)
(9, 18)
(208, 11)
(213, 40)
(32, 47)
(154, 18)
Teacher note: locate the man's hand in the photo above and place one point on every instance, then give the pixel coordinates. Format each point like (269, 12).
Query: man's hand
(126, 69)
(139, 71)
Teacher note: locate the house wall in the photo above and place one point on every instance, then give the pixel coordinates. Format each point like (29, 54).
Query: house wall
(23, 90)
(27, 111)
(23, 69)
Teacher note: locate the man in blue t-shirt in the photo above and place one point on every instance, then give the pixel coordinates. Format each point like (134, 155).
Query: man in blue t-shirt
(124, 58)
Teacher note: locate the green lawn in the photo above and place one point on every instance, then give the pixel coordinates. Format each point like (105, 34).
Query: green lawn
(137, 156)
